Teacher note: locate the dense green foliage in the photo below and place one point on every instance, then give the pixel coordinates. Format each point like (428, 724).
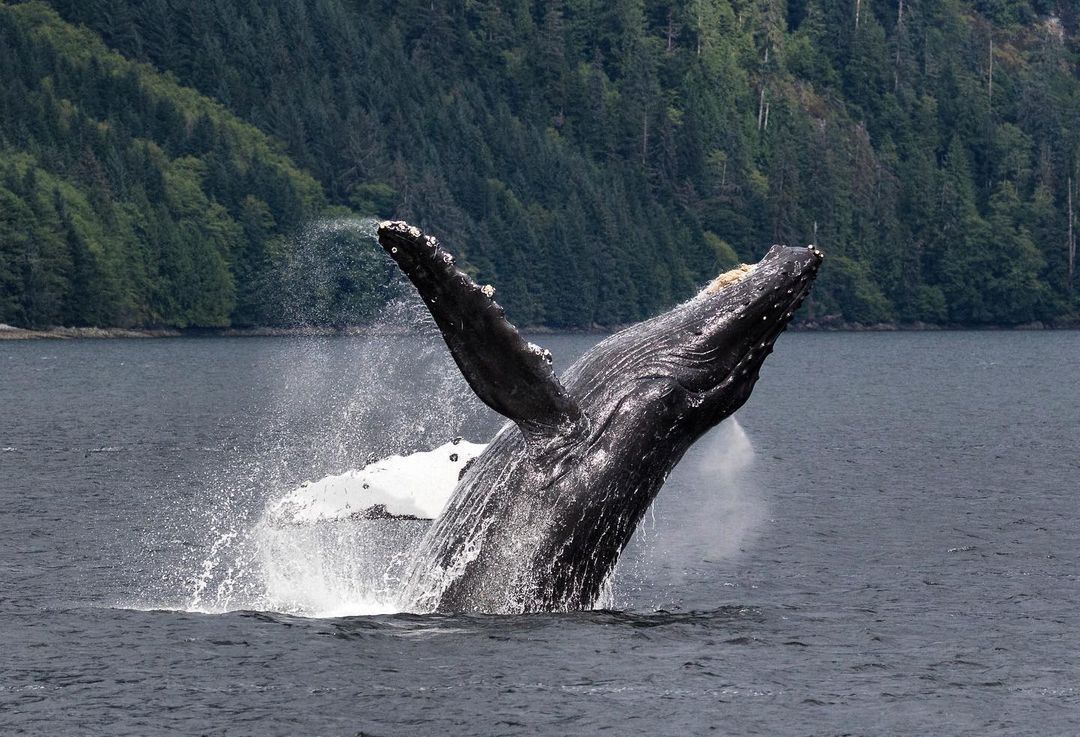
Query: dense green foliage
(126, 199)
(596, 160)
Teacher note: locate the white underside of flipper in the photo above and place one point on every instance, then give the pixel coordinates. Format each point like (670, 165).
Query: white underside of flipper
(413, 486)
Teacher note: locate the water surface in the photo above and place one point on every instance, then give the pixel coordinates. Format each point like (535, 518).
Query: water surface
(896, 555)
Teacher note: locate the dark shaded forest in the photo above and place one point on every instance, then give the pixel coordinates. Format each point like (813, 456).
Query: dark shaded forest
(162, 162)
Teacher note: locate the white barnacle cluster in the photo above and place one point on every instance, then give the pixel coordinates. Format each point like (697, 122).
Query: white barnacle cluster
(401, 227)
(544, 353)
(488, 290)
(728, 278)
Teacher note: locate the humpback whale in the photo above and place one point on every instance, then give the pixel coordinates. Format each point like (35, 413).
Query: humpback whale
(538, 519)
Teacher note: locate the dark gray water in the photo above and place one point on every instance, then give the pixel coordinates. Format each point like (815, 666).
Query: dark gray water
(897, 554)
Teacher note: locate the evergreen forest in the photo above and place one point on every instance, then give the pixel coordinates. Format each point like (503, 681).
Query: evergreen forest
(206, 163)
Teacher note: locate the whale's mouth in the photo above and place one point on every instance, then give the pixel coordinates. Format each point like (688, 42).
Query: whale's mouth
(728, 278)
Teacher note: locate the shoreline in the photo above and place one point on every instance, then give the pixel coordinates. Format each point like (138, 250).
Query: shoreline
(8, 332)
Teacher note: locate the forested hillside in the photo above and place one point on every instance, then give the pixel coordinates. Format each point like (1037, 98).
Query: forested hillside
(126, 199)
(595, 160)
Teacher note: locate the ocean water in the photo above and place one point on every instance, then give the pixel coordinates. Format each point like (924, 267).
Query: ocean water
(885, 542)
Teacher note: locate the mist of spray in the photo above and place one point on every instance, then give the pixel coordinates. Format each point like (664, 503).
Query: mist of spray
(334, 275)
(709, 512)
(337, 405)
(732, 505)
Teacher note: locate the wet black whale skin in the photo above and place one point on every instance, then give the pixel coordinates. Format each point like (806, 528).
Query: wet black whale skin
(538, 520)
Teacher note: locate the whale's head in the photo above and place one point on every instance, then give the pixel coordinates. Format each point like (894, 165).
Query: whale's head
(691, 367)
(719, 340)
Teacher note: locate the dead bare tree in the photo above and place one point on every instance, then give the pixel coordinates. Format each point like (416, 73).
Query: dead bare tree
(899, 44)
(645, 138)
(1071, 240)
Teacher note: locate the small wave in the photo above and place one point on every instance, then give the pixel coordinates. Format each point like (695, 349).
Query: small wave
(338, 610)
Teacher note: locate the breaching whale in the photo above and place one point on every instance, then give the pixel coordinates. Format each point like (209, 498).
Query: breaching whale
(538, 519)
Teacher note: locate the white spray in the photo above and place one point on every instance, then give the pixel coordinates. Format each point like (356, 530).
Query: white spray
(709, 512)
(246, 559)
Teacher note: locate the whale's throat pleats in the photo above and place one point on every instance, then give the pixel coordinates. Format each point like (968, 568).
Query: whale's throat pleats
(512, 376)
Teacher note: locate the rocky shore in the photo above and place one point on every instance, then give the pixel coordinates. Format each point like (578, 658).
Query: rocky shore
(8, 332)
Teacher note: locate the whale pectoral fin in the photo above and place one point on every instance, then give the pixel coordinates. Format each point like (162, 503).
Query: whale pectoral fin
(512, 376)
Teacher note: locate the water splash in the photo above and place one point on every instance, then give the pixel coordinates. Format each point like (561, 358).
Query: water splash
(358, 566)
(732, 505)
(717, 515)
(334, 275)
(391, 389)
